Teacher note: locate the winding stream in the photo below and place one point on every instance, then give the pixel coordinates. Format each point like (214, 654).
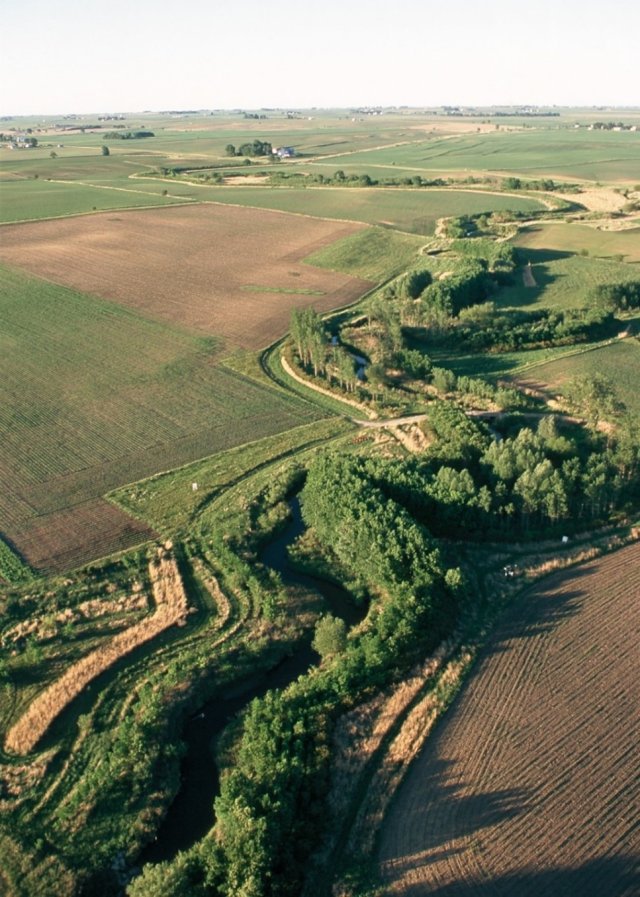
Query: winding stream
(191, 815)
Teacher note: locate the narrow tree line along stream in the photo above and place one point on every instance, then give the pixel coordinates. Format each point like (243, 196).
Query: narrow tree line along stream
(191, 815)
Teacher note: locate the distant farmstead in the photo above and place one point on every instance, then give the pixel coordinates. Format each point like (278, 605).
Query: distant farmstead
(284, 152)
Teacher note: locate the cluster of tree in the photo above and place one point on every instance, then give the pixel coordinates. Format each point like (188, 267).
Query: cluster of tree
(309, 338)
(256, 148)
(271, 811)
(454, 310)
(341, 179)
(414, 363)
(24, 141)
(377, 541)
(469, 485)
(127, 135)
(410, 285)
(617, 296)
(501, 258)
(503, 397)
(483, 328)
(471, 284)
(512, 183)
(610, 126)
(317, 354)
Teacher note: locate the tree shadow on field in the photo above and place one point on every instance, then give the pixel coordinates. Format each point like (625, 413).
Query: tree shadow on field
(538, 611)
(518, 295)
(601, 877)
(453, 812)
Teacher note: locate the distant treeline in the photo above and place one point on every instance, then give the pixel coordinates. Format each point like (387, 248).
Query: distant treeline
(127, 135)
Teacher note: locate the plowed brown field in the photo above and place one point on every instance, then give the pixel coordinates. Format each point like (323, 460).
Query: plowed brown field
(69, 538)
(532, 784)
(223, 270)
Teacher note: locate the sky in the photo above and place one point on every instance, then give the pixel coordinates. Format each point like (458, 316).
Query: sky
(64, 56)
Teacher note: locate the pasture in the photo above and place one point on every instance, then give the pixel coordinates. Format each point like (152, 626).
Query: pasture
(528, 785)
(576, 238)
(231, 273)
(619, 362)
(563, 279)
(93, 396)
(374, 253)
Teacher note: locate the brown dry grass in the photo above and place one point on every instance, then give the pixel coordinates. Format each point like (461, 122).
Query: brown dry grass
(217, 269)
(530, 784)
(596, 199)
(171, 609)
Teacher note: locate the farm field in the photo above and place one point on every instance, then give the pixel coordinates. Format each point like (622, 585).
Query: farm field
(78, 178)
(138, 290)
(35, 199)
(94, 396)
(530, 784)
(535, 152)
(231, 273)
(415, 211)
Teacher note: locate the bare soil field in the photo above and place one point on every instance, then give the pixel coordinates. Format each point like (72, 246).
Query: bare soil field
(531, 785)
(217, 269)
(65, 539)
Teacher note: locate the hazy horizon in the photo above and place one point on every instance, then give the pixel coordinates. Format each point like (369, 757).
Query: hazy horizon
(124, 57)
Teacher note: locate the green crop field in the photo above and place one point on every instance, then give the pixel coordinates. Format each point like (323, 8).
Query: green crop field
(535, 152)
(94, 395)
(28, 200)
(415, 211)
(168, 501)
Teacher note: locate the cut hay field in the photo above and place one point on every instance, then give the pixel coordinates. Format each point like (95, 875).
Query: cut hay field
(92, 396)
(229, 272)
(581, 237)
(530, 785)
(414, 211)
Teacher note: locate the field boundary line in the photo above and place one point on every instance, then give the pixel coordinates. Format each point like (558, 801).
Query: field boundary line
(27, 221)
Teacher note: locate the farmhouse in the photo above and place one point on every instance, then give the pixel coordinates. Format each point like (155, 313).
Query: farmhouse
(284, 152)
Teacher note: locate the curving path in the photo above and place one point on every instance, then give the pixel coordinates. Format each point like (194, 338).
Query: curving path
(531, 786)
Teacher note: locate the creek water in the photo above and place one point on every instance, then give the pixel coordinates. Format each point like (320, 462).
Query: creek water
(190, 815)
